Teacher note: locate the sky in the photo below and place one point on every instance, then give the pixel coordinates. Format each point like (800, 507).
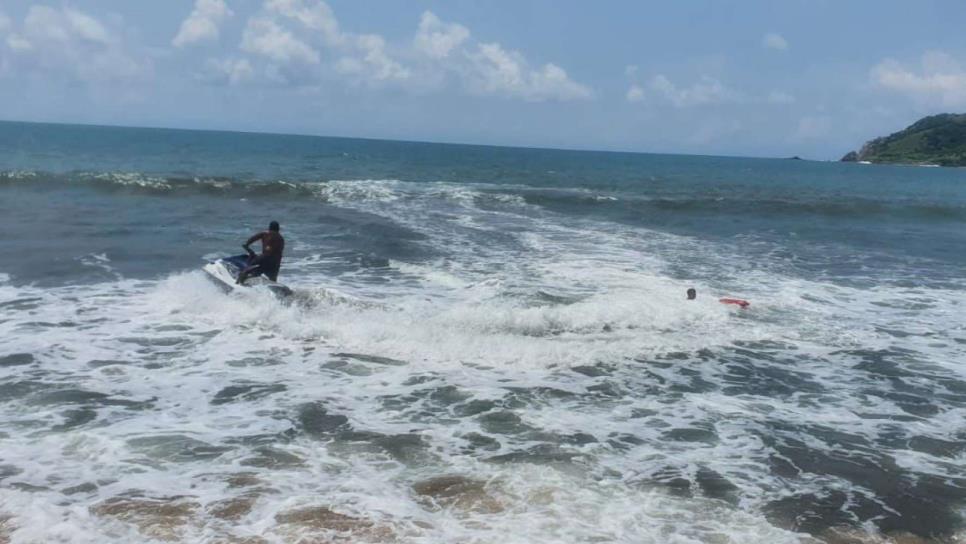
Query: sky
(812, 78)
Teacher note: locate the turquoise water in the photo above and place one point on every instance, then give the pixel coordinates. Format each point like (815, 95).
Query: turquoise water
(486, 343)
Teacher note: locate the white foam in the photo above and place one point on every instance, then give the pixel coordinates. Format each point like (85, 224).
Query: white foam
(496, 318)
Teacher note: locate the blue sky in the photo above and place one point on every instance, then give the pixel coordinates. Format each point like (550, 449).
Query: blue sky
(763, 78)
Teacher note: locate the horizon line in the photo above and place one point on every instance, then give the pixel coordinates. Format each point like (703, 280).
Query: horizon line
(430, 142)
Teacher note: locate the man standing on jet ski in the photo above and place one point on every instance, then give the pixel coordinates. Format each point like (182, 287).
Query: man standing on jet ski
(270, 260)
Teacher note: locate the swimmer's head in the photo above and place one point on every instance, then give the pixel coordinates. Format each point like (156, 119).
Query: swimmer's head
(692, 294)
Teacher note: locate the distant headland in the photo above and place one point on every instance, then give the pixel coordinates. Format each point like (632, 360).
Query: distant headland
(938, 140)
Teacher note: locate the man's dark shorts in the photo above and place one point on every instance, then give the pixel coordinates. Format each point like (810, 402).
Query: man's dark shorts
(267, 265)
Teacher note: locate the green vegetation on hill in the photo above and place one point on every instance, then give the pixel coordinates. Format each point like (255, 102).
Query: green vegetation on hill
(937, 139)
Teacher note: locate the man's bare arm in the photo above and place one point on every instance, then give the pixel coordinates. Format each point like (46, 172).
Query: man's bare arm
(255, 237)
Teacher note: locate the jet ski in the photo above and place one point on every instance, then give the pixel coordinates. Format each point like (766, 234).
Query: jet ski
(225, 270)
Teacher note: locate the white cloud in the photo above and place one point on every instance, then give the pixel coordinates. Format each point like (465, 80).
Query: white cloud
(437, 39)
(635, 93)
(494, 70)
(312, 14)
(940, 80)
(202, 23)
(363, 57)
(775, 41)
(69, 43)
(374, 63)
(779, 97)
(18, 43)
(267, 38)
(298, 41)
(45, 24)
(229, 71)
(706, 91)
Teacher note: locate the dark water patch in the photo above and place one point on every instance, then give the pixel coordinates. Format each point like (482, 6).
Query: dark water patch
(920, 504)
(673, 480)
(16, 359)
(955, 390)
(504, 422)
(814, 514)
(17, 390)
(544, 298)
(373, 261)
(909, 403)
(86, 487)
(475, 407)
(175, 448)
(21, 304)
(746, 376)
(173, 327)
(880, 363)
(32, 326)
(315, 421)
(396, 403)
(75, 418)
(29, 488)
(478, 441)
(98, 363)
(70, 396)
(938, 447)
(448, 395)
(607, 389)
(694, 383)
(905, 418)
(130, 404)
(420, 379)
(407, 448)
(80, 396)
(624, 441)
(760, 345)
(263, 439)
(156, 341)
(431, 402)
(704, 434)
(688, 484)
(541, 454)
(569, 439)
(254, 361)
(273, 458)
(632, 208)
(538, 395)
(371, 359)
(236, 393)
(347, 368)
(714, 485)
(6, 471)
(594, 371)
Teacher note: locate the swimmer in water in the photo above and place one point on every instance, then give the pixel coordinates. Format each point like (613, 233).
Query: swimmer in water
(693, 294)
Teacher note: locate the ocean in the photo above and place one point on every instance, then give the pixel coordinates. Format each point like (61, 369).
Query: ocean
(485, 344)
